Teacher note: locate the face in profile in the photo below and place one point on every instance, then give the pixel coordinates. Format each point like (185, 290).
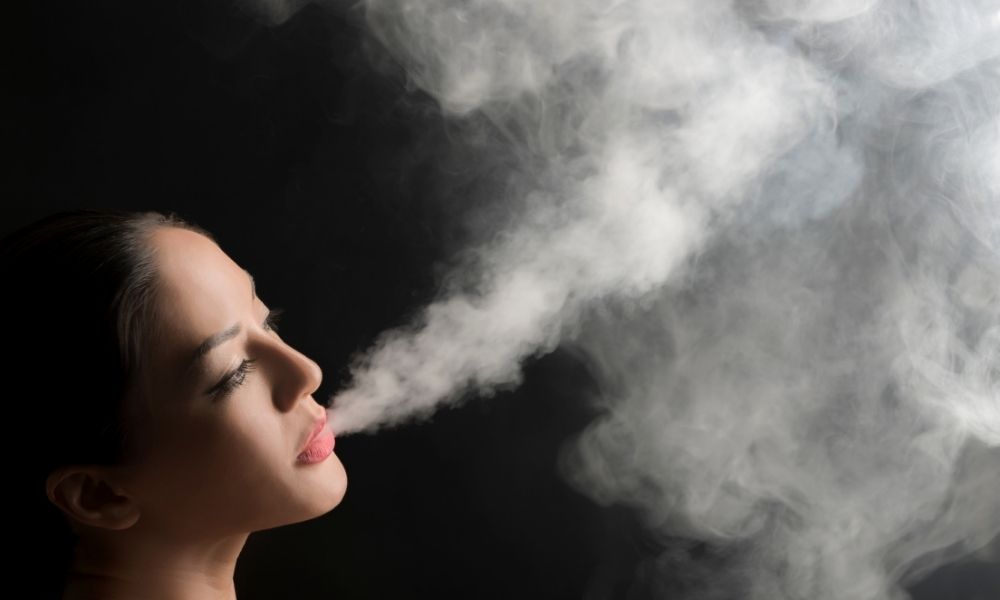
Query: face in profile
(225, 406)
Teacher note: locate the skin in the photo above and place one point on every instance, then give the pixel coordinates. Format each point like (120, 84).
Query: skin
(171, 523)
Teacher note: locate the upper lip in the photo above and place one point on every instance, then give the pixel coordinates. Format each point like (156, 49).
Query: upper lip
(315, 431)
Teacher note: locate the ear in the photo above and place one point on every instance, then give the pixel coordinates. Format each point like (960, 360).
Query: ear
(89, 495)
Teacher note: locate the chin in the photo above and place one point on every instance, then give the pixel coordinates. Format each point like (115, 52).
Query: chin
(325, 488)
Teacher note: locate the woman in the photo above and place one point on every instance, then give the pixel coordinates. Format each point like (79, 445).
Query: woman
(168, 419)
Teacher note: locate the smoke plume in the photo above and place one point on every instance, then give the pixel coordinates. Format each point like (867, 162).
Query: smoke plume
(772, 228)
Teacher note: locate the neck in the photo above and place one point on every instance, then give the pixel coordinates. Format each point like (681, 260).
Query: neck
(125, 564)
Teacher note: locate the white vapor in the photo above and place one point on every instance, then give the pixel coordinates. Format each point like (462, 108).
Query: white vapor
(772, 228)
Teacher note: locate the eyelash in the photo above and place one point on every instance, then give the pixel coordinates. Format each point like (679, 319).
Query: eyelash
(271, 322)
(237, 377)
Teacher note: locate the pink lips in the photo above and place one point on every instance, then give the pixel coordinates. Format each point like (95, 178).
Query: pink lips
(320, 444)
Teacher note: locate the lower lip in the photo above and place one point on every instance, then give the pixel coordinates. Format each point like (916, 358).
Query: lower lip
(320, 448)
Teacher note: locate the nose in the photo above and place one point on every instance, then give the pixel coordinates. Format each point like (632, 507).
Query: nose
(296, 376)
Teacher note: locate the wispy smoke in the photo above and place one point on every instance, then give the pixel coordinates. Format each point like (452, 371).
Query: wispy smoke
(773, 229)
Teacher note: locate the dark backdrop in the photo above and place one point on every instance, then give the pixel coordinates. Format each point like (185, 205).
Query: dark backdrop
(300, 148)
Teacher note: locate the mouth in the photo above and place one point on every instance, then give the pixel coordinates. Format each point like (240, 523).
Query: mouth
(319, 445)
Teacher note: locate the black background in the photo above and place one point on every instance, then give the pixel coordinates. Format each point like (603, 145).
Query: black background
(301, 149)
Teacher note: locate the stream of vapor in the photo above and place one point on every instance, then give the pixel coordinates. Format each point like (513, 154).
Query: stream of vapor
(772, 228)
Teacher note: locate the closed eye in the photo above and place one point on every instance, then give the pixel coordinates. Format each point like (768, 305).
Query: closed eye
(238, 376)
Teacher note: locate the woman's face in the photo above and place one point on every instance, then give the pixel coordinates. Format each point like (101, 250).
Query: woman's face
(230, 405)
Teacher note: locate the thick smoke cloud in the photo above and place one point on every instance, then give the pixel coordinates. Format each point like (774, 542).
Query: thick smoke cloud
(772, 228)
(649, 124)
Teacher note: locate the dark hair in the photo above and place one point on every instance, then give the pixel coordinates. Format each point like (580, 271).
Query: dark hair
(77, 309)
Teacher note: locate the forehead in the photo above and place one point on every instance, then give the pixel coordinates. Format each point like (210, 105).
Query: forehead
(201, 291)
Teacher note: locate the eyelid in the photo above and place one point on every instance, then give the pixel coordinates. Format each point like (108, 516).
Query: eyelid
(221, 384)
(226, 385)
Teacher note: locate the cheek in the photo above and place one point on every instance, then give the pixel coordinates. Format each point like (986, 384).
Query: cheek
(241, 453)
(227, 468)
(229, 437)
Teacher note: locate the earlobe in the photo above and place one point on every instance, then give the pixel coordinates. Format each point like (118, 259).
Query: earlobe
(89, 496)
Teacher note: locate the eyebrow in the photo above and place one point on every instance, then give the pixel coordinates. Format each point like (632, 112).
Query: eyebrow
(217, 339)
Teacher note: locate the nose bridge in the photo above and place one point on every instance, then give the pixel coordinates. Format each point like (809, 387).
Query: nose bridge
(296, 375)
